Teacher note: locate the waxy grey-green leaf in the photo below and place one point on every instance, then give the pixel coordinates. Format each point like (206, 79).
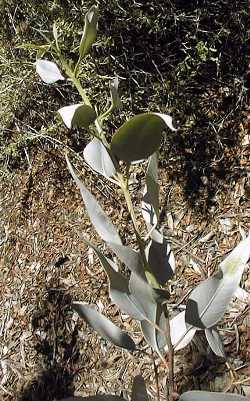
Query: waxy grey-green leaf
(115, 99)
(98, 217)
(48, 71)
(89, 32)
(160, 257)
(140, 136)
(77, 115)
(209, 300)
(129, 257)
(139, 391)
(118, 284)
(181, 334)
(104, 327)
(211, 396)
(97, 157)
(145, 298)
(150, 200)
(215, 342)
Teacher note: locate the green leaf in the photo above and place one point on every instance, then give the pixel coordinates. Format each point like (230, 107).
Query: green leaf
(160, 257)
(97, 157)
(209, 300)
(140, 136)
(48, 71)
(139, 391)
(98, 217)
(118, 284)
(211, 396)
(89, 32)
(150, 200)
(215, 342)
(77, 115)
(104, 327)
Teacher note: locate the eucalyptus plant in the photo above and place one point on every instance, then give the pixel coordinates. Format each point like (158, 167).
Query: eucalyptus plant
(144, 294)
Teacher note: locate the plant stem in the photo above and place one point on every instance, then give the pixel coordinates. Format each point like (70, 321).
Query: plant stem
(170, 356)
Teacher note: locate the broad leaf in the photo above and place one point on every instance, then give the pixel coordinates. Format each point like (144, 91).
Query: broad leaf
(129, 257)
(97, 157)
(104, 327)
(77, 115)
(181, 334)
(209, 300)
(97, 397)
(89, 32)
(99, 219)
(160, 257)
(118, 284)
(215, 342)
(48, 71)
(140, 136)
(139, 391)
(211, 396)
(150, 200)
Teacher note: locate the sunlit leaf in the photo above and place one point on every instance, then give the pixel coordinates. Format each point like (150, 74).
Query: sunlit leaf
(140, 136)
(98, 217)
(104, 327)
(211, 396)
(209, 300)
(129, 257)
(160, 257)
(97, 157)
(77, 115)
(145, 298)
(215, 342)
(89, 32)
(118, 284)
(115, 99)
(48, 71)
(139, 391)
(181, 334)
(150, 200)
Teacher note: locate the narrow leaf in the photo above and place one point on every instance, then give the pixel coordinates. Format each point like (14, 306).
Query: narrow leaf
(118, 284)
(129, 257)
(145, 298)
(48, 71)
(77, 115)
(115, 99)
(97, 157)
(150, 200)
(160, 257)
(215, 342)
(99, 219)
(89, 32)
(211, 396)
(104, 327)
(140, 136)
(181, 334)
(139, 391)
(209, 300)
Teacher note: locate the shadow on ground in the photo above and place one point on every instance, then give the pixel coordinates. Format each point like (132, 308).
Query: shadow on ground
(56, 347)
